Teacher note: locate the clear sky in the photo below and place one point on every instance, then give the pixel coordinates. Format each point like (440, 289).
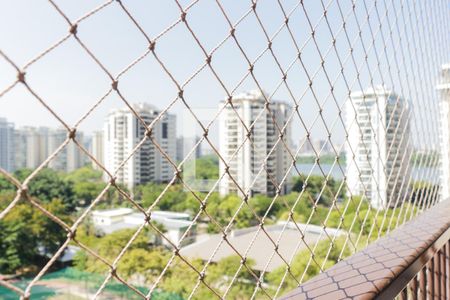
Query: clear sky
(71, 82)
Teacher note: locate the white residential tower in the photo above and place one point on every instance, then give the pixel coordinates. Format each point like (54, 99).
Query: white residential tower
(377, 149)
(245, 165)
(444, 89)
(123, 131)
(6, 145)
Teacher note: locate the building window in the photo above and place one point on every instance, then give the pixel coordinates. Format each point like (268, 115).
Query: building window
(164, 131)
(125, 126)
(137, 127)
(115, 127)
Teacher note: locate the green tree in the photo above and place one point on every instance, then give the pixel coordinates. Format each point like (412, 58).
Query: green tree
(172, 198)
(182, 279)
(87, 191)
(327, 254)
(205, 167)
(5, 185)
(423, 191)
(27, 235)
(87, 184)
(316, 185)
(221, 274)
(48, 185)
(86, 173)
(261, 203)
(109, 247)
(148, 263)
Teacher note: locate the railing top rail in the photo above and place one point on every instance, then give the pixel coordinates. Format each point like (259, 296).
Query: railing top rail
(385, 267)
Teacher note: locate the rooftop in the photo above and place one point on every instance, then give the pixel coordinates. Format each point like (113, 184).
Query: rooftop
(262, 248)
(113, 212)
(170, 214)
(254, 95)
(138, 107)
(133, 219)
(377, 90)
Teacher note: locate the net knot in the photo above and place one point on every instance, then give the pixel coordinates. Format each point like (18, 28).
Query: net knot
(114, 85)
(21, 76)
(72, 133)
(73, 29)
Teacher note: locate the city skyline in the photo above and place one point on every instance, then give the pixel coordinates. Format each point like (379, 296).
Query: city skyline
(28, 147)
(93, 142)
(122, 132)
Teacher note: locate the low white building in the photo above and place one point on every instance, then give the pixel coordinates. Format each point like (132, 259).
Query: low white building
(174, 224)
(111, 216)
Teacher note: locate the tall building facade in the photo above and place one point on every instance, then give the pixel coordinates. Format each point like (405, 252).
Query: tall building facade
(123, 131)
(444, 104)
(6, 145)
(378, 133)
(245, 165)
(70, 157)
(97, 148)
(33, 145)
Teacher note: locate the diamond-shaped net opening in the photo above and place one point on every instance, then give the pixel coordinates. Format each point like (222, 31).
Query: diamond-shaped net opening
(200, 150)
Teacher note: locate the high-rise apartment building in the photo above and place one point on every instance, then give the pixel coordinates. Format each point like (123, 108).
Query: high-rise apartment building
(33, 145)
(123, 131)
(70, 157)
(245, 164)
(54, 139)
(444, 104)
(97, 148)
(6, 145)
(377, 148)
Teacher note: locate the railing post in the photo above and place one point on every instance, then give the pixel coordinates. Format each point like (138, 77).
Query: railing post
(442, 272)
(437, 276)
(447, 269)
(413, 288)
(430, 279)
(403, 294)
(422, 284)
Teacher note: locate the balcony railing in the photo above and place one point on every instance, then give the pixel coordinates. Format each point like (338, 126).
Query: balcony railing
(334, 185)
(412, 262)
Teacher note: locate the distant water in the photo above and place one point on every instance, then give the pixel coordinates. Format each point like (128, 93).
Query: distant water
(336, 172)
(429, 174)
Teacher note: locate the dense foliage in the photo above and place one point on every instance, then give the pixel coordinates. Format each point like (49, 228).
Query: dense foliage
(28, 237)
(143, 262)
(46, 186)
(205, 167)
